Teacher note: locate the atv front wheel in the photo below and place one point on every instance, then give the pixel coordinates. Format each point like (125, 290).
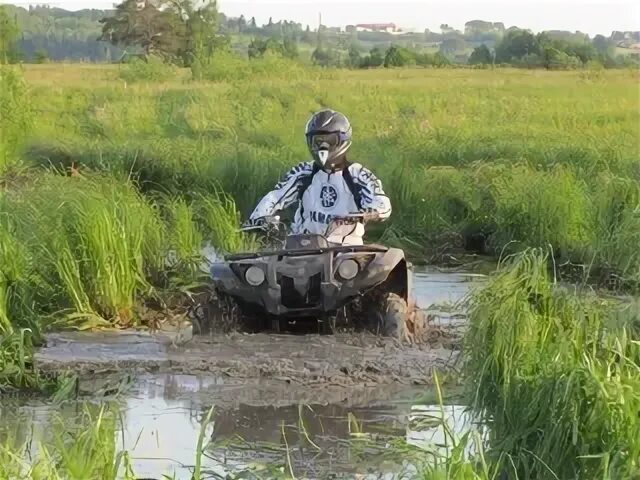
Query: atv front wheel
(397, 319)
(392, 316)
(220, 314)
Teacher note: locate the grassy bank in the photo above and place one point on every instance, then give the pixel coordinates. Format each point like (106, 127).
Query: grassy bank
(555, 375)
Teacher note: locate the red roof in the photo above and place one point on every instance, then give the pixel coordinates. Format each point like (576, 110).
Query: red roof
(373, 26)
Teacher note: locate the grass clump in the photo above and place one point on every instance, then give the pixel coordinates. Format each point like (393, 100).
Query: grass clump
(89, 249)
(16, 116)
(84, 450)
(92, 242)
(151, 70)
(616, 207)
(555, 376)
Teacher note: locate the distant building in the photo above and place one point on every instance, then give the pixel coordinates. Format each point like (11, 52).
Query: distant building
(376, 27)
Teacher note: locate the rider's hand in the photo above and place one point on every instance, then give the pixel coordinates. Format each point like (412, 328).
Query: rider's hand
(369, 215)
(253, 223)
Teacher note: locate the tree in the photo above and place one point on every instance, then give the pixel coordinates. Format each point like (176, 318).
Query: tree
(452, 45)
(481, 56)
(170, 29)
(517, 44)
(290, 47)
(325, 57)
(307, 36)
(201, 26)
(601, 44)
(355, 59)
(156, 30)
(8, 35)
(376, 56)
(398, 57)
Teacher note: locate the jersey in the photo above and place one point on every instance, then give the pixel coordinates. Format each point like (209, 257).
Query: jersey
(322, 195)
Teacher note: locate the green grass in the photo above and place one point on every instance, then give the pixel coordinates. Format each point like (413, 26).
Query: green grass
(79, 451)
(90, 249)
(555, 375)
(15, 117)
(523, 158)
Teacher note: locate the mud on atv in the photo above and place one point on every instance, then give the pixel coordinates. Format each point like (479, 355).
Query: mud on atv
(309, 280)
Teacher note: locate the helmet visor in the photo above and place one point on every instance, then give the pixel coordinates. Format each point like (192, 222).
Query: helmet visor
(327, 141)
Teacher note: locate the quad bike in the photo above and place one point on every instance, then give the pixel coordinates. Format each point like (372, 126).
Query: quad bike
(307, 279)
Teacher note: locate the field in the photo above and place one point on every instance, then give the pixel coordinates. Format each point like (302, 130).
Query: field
(114, 178)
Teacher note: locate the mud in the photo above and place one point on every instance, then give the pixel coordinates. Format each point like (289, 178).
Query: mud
(340, 360)
(344, 359)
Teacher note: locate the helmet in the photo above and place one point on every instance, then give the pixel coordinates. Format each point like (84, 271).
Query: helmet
(328, 137)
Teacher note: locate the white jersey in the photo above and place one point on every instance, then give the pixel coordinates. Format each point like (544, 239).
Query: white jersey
(327, 195)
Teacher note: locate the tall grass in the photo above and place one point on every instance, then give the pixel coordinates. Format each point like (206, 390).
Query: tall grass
(80, 451)
(513, 157)
(89, 249)
(555, 375)
(92, 242)
(16, 116)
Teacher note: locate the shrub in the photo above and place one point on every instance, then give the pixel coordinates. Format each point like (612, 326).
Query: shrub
(152, 70)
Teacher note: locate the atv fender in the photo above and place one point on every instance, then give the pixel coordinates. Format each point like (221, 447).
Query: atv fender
(223, 276)
(389, 268)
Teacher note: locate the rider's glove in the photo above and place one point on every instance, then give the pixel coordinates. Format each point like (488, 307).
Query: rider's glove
(253, 223)
(369, 214)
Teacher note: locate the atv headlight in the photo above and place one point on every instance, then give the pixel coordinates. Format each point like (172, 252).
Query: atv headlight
(254, 276)
(348, 269)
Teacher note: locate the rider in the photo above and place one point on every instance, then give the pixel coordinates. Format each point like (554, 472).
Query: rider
(329, 186)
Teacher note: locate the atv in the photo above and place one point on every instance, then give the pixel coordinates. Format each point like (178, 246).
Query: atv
(307, 280)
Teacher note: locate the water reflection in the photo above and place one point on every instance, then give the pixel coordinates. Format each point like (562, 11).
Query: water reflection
(162, 418)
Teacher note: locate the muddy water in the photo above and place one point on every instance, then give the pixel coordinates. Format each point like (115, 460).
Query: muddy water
(323, 406)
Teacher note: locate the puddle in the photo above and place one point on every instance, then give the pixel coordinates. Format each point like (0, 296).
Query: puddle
(361, 397)
(358, 431)
(434, 289)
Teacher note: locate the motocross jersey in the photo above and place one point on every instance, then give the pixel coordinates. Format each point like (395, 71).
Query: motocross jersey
(324, 195)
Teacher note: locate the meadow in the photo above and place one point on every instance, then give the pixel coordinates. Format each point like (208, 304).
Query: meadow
(477, 158)
(113, 178)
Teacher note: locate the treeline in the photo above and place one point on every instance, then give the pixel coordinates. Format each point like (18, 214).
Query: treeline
(177, 31)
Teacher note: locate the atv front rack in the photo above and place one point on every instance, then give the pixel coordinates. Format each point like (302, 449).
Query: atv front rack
(311, 251)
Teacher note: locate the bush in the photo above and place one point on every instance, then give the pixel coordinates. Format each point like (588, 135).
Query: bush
(555, 59)
(399, 57)
(481, 56)
(152, 70)
(227, 66)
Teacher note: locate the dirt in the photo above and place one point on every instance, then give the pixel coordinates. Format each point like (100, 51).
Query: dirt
(342, 359)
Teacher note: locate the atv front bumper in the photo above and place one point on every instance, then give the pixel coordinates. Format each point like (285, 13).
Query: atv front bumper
(304, 283)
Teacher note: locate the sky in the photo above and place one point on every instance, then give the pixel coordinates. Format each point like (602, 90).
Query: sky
(592, 17)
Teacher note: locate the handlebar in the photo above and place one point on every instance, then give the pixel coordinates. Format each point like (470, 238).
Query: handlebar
(265, 223)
